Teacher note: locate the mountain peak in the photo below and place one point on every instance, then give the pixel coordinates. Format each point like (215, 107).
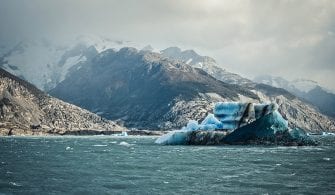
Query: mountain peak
(274, 81)
(128, 51)
(188, 56)
(171, 50)
(147, 48)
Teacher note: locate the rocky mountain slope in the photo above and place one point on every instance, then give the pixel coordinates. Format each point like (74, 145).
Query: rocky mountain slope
(144, 90)
(155, 91)
(307, 90)
(299, 111)
(205, 63)
(24, 109)
(46, 64)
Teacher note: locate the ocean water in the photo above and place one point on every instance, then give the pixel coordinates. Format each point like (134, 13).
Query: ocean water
(135, 165)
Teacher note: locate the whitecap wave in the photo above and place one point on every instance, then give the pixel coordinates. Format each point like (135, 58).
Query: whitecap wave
(15, 184)
(68, 148)
(100, 145)
(123, 143)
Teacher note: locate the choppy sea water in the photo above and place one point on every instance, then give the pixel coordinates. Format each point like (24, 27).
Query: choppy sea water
(109, 165)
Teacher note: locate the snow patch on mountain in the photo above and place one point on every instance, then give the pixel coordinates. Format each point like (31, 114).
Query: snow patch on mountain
(189, 61)
(272, 81)
(32, 60)
(304, 85)
(69, 63)
(206, 63)
(45, 63)
(300, 85)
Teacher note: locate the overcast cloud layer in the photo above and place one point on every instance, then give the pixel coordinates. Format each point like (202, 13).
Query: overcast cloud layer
(283, 38)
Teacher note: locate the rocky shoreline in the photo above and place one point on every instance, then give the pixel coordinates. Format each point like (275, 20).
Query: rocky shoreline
(79, 132)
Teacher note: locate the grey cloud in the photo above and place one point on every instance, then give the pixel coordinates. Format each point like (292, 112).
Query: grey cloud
(285, 38)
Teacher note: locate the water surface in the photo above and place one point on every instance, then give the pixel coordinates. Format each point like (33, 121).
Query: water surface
(109, 165)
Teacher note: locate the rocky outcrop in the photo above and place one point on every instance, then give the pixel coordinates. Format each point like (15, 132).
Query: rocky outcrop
(24, 109)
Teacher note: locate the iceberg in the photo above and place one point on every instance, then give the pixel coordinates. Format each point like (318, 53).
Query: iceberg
(210, 123)
(236, 114)
(178, 137)
(239, 123)
(192, 125)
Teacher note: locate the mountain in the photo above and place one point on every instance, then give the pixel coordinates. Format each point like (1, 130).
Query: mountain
(144, 89)
(304, 85)
(300, 112)
(306, 89)
(205, 63)
(42, 63)
(24, 109)
(45, 63)
(277, 82)
(298, 86)
(149, 90)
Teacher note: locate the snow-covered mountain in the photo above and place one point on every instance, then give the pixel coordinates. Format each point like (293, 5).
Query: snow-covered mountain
(206, 63)
(278, 82)
(302, 85)
(306, 89)
(45, 63)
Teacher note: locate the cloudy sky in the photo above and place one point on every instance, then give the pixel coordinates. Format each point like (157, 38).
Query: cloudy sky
(293, 39)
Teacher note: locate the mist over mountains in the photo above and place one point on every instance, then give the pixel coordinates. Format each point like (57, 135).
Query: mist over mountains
(167, 97)
(145, 88)
(310, 91)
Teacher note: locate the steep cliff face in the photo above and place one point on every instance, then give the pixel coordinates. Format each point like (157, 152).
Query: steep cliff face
(24, 109)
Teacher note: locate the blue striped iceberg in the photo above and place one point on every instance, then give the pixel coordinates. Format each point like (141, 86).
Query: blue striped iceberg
(239, 123)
